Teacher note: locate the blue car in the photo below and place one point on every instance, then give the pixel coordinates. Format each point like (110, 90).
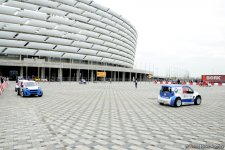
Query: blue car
(178, 95)
(30, 88)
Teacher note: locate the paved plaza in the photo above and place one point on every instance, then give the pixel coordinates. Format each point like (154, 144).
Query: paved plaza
(109, 116)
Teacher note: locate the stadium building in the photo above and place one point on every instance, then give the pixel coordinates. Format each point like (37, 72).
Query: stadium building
(66, 40)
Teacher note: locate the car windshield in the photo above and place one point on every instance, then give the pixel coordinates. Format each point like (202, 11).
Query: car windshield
(29, 84)
(166, 89)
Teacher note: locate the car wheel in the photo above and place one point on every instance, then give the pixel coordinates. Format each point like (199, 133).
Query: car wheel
(178, 102)
(40, 95)
(198, 100)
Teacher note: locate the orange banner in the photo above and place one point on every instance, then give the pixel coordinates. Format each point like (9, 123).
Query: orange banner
(101, 74)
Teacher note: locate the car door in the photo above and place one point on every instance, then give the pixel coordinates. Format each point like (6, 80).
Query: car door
(187, 95)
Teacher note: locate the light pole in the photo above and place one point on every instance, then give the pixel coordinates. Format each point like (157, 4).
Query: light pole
(26, 68)
(70, 69)
(88, 71)
(60, 70)
(49, 70)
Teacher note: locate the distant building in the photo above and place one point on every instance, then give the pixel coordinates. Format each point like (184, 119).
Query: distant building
(66, 40)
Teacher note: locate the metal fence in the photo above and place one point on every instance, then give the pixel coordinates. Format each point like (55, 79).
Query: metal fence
(87, 79)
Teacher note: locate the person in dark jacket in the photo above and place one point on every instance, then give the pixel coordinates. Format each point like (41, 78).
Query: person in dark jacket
(178, 81)
(136, 82)
(2, 80)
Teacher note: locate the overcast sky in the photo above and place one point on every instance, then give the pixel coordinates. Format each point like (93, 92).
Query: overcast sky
(176, 35)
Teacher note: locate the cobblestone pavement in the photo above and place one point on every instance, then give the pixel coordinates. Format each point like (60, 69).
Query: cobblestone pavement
(108, 116)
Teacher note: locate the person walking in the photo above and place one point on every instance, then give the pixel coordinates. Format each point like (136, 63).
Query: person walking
(2, 80)
(178, 81)
(136, 82)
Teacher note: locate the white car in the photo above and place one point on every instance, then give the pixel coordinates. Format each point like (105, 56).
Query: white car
(30, 88)
(178, 95)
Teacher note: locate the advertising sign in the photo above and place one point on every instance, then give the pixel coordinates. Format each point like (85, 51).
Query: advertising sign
(150, 76)
(101, 74)
(214, 78)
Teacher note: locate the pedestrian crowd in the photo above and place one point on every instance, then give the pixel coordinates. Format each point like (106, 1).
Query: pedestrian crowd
(3, 84)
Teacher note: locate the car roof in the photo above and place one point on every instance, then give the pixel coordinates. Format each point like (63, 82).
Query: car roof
(174, 85)
(22, 80)
(29, 81)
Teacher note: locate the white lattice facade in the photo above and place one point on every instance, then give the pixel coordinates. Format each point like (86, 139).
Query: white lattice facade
(67, 29)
